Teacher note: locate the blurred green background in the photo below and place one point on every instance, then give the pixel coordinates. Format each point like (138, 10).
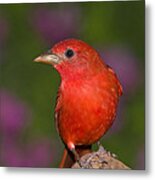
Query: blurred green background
(28, 91)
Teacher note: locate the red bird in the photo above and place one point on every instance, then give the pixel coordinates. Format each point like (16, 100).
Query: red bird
(88, 94)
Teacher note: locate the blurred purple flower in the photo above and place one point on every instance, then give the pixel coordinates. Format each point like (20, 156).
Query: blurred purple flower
(14, 114)
(14, 153)
(56, 24)
(126, 67)
(10, 153)
(38, 154)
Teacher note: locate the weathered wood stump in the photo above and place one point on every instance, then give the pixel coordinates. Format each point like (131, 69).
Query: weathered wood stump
(100, 159)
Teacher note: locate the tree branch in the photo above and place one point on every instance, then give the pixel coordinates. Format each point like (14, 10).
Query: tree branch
(100, 159)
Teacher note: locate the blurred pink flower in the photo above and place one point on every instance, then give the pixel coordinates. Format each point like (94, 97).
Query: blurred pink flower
(126, 66)
(14, 114)
(56, 24)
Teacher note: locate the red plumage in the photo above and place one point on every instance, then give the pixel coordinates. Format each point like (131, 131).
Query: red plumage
(88, 94)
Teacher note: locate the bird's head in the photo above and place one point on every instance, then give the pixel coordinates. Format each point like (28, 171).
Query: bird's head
(72, 58)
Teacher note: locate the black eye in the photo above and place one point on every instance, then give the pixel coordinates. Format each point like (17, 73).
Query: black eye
(69, 53)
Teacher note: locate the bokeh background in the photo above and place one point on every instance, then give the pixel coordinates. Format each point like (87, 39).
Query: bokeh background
(28, 137)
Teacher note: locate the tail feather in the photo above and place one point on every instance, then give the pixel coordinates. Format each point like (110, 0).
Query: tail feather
(68, 158)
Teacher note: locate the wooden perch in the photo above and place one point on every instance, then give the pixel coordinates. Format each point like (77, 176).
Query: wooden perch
(100, 159)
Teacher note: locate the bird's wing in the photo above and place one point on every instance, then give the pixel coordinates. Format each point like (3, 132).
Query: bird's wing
(113, 74)
(57, 109)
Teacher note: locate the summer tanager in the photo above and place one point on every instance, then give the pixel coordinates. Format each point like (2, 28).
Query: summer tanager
(87, 98)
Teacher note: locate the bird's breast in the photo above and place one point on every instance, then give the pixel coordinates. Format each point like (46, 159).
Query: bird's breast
(85, 111)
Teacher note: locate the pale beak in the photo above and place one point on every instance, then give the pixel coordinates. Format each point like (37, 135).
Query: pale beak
(51, 59)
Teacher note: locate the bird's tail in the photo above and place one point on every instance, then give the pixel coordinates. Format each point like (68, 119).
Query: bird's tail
(68, 158)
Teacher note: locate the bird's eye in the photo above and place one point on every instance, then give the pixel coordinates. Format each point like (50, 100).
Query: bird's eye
(69, 53)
